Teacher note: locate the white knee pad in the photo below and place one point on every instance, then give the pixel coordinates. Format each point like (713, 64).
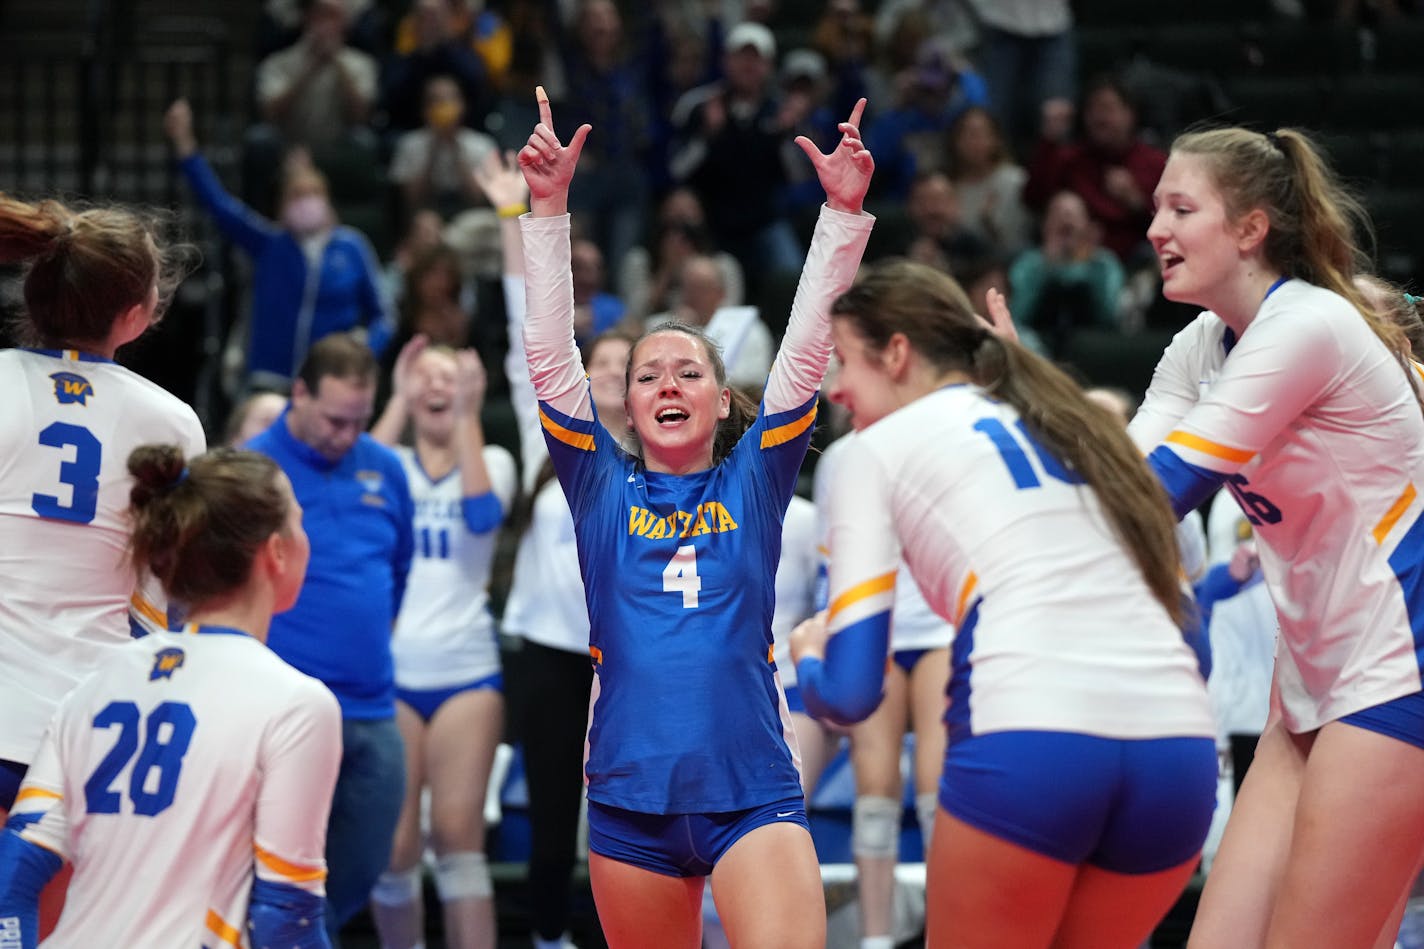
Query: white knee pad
(462, 875)
(397, 887)
(875, 827)
(926, 805)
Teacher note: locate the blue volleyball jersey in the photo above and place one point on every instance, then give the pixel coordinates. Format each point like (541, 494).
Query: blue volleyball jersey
(678, 577)
(679, 570)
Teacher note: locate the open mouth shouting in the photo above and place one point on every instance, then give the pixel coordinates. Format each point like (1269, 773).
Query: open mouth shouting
(671, 415)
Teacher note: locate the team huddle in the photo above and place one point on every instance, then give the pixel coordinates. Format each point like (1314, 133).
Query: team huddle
(188, 757)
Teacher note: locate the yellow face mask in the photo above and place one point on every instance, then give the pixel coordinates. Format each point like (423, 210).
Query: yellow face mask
(443, 115)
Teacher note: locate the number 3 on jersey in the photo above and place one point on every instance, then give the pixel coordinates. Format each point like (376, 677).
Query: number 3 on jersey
(81, 474)
(680, 576)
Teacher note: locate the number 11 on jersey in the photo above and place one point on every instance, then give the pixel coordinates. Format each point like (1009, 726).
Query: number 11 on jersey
(680, 576)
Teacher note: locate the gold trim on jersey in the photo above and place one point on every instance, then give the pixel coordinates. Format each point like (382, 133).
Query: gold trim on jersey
(28, 793)
(566, 435)
(1395, 512)
(222, 929)
(1207, 447)
(863, 590)
(296, 872)
(785, 433)
(148, 611)
(971, 582)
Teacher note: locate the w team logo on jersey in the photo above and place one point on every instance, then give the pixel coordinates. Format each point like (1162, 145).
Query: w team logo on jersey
(165, 663)
(70, 388)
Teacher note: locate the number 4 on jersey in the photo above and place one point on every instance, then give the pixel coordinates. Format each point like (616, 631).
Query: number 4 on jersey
(680, 576)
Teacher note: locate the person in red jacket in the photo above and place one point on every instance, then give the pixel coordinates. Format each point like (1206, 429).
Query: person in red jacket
(1111, 167)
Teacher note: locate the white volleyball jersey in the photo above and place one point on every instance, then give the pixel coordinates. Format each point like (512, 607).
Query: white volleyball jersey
(445, 635)
(1057, 628)
(913, 622)
(797, 577)
(1312, 425)
(68, 423)
(188, 764)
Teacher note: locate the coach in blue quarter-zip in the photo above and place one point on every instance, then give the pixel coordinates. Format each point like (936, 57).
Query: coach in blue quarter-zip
(358, 514)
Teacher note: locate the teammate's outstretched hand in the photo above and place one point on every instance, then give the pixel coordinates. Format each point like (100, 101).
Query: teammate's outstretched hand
(547, 164)
(999, 321)
(499, 180)
(403, 379)
(845, 172)
(809, 638)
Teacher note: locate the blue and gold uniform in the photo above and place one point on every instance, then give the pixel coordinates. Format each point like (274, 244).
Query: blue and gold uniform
(688, 715)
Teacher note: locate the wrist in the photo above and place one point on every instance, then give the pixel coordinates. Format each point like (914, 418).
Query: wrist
(552, 206)
(837, 205)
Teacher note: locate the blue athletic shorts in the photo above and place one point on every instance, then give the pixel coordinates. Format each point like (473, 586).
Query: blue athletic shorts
(12, 773)
(1127, 806)
(680, 845)
(907, 658)
(1401, 718)
(426, 702)
(794, 702)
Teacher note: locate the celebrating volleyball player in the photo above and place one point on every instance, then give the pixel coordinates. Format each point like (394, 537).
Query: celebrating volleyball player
(1080, 772)
(690, 771)
(189, 779)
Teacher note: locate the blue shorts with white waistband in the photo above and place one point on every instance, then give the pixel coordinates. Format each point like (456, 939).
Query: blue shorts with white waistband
(1125, 805)
(680, 845)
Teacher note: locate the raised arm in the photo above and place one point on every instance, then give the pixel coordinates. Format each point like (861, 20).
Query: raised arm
(831, 264)
(555, 369)
(300, 759)
(391, 425)
(482, 509)
(503, 185)
(239, 223)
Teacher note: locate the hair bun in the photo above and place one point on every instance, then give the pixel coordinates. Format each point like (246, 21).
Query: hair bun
(157, 470)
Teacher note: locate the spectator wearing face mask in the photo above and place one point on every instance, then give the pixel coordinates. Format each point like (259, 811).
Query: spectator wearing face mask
(434, 165)
(311, 276)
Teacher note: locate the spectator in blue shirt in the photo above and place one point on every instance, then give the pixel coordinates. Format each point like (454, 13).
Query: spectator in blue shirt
(310, 275)
(358, 514)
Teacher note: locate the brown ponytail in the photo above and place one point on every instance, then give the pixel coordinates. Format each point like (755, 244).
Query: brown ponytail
(932, 312)
(85, 268)
(197, 526)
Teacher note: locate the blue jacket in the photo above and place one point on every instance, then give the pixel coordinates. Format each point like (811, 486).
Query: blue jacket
(292, 307)
(358, 515)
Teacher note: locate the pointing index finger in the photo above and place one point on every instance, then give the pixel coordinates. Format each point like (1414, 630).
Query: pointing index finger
(545, 115)
(856, 113)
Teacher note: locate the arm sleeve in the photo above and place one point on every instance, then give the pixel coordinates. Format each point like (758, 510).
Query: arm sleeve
(1174, 389)
(25, 868)
(1275, 372)
(831, 264)
(285, 916)
(521, 391)
(237, 222)
(865, 555)
(555, 370)
(39, 815)
(301, 754)
(485, 512)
